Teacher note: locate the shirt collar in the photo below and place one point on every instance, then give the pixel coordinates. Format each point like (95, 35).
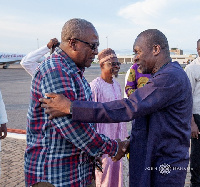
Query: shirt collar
(163, 67)
(196, 61)
(69, 61)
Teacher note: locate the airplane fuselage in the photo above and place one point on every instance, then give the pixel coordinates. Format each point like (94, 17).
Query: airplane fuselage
(9, 58)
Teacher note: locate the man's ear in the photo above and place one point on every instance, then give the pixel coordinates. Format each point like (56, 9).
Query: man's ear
(73, 44)
(156, 49)
(101, 65)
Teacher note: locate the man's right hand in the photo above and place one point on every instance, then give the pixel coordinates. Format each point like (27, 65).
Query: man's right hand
(123, 147)
(3, 131)
(56, 106)
(194, 129)
(52, 43)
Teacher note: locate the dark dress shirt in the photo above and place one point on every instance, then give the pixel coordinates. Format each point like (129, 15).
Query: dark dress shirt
(160, 137)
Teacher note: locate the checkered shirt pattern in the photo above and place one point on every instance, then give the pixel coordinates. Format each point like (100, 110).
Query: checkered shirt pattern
(60, 151)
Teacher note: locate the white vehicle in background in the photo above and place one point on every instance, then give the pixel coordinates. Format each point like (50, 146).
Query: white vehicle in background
(9, 58)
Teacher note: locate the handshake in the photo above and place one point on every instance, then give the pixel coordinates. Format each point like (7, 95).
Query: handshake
(123, 148)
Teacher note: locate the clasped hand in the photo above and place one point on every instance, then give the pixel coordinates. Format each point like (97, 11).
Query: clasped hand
(123, 148)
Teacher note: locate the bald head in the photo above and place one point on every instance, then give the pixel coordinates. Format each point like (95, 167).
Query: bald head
(75, 28)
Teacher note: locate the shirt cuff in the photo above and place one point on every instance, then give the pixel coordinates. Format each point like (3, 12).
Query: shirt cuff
(71, 108)
(114, 148)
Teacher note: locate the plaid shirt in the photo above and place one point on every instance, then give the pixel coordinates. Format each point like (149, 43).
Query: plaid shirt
(60, 151)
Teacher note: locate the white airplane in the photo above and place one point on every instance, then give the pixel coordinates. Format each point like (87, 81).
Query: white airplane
(9, 58)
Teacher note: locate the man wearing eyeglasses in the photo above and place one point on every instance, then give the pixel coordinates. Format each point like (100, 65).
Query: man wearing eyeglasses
(105, 88)
(60, 152)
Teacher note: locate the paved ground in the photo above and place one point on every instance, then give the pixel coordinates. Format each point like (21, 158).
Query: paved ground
(15, 86)
(12, 162)
(12, 156)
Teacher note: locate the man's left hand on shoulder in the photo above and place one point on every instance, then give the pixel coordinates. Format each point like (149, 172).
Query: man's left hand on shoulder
(57, 105)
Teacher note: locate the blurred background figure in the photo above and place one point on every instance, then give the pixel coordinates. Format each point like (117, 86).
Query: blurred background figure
(3, 121)
(104, 89)
(31, 61)
(135, 79)
(193, 72)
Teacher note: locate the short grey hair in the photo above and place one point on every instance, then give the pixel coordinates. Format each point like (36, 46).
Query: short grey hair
(75, 28)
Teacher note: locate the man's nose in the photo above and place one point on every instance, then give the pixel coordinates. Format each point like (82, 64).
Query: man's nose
(95, 51)
(135, 59)
(118, 66)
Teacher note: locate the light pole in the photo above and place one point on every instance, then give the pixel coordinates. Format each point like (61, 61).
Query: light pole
(38, 43)
(107, 40)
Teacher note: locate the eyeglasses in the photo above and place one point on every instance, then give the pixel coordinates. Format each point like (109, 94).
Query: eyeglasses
(93, 46)
(113, 64)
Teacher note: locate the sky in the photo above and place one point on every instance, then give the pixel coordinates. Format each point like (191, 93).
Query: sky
(27, 25)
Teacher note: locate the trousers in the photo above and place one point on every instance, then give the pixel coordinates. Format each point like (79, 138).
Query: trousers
(195, 156)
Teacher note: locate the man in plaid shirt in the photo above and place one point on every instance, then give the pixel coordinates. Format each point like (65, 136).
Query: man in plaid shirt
(60, 152)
